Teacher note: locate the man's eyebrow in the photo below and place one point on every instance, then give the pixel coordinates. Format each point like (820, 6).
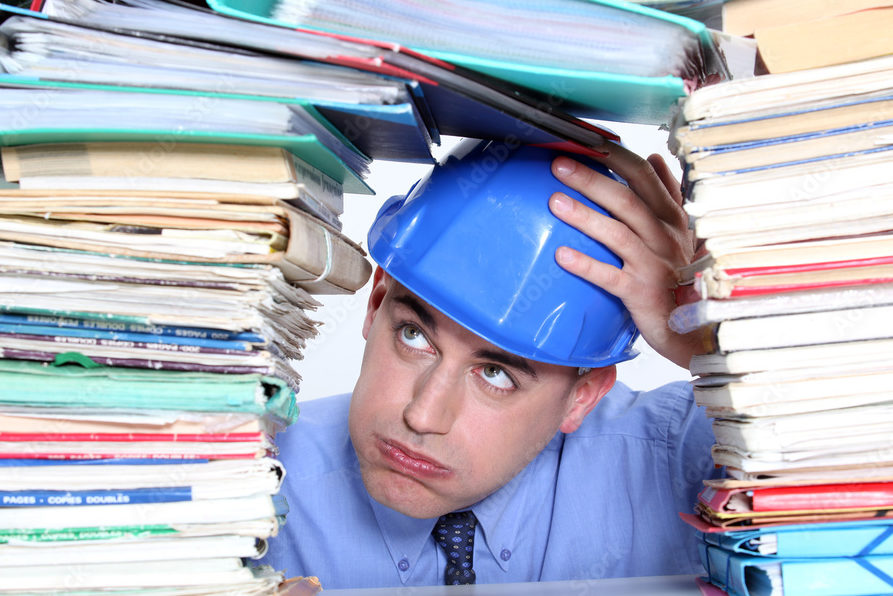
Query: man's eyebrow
(420, 310)
(506, 359)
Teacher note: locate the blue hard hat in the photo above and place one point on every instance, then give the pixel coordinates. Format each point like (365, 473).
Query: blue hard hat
(475, 239)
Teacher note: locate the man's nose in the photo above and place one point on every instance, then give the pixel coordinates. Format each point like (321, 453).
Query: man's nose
(435, 401)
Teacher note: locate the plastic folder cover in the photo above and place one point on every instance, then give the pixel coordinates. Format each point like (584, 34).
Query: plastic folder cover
(837, 539)
(589, 93)
(307, 147)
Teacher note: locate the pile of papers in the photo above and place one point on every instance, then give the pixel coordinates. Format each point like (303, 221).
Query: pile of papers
(141, 397)
(151, 312)
(790, 186)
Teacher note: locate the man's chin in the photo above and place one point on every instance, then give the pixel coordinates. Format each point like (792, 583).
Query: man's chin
(407, 496)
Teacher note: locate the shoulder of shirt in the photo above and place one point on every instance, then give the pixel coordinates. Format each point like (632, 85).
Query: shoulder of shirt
(642, 414)
(319, 440)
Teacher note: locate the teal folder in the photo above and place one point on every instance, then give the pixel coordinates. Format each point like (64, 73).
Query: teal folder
(380, 131)
(747, 575)
(307, 147)
(584, 93)
(35, 385)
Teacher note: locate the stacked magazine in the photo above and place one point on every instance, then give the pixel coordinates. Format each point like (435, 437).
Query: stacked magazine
(790, 186)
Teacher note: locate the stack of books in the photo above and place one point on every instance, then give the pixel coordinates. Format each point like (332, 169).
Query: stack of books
(153, 299)
(790, 187)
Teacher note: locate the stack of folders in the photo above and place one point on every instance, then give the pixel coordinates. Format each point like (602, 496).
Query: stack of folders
(153, 300)
(499, 55)
(790, 186)
(612, 60)
(336, 102)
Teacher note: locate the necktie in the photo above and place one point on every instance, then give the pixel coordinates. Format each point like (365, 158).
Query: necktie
(454, 532)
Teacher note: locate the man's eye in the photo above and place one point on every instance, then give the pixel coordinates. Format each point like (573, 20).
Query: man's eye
(497, 377)
(413, 337)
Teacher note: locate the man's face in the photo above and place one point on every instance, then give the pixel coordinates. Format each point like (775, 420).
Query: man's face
(441, 418)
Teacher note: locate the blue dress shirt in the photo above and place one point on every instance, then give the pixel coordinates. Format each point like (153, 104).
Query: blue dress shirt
(600, 502)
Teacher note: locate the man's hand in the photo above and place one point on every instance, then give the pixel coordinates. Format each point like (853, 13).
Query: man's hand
(650, 234)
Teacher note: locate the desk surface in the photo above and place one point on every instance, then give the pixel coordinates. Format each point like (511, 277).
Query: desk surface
(668, 585)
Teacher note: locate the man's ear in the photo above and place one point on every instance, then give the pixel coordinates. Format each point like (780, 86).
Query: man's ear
(376, 297)
(587, 392)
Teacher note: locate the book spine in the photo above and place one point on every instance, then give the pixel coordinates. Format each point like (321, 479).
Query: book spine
(746, 291)
(61, 457)
(138, 338)
(158, 348)
(133, 437)
(14, 354)
(320, 187)
(17, 461)
(42, 498)
(127, 327)
(807, 267)
(840, 496)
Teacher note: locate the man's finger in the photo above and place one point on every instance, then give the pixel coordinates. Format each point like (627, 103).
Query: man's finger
(635, 224)
(666, 177)
(642, 178)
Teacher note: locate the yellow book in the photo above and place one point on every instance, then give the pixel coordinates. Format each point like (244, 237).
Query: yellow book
(744, 17)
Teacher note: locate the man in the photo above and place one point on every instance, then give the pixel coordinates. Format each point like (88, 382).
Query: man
(485, 438)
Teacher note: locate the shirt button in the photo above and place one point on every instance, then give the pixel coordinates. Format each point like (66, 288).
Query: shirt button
(505, 555)
(403, 565)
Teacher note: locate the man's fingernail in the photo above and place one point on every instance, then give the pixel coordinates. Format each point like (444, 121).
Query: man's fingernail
(564, 166)
(561, 203)
(564, 256)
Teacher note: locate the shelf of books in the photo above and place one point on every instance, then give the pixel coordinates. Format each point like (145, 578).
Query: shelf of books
(790, 187)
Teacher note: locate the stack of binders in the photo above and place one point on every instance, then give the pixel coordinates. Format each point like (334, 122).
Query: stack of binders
(790, 186)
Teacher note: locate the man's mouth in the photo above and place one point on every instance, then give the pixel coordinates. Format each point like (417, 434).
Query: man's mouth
(409, 462)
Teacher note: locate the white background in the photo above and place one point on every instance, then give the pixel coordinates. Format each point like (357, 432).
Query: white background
(332, 360)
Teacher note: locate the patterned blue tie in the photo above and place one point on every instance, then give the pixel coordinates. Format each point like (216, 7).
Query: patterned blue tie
(454, 532)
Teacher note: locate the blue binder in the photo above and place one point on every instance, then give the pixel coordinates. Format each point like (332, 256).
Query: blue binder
(748, 575)
(834, 539)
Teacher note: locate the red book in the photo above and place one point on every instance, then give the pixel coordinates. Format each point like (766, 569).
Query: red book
(757, 281)
(828, 496)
